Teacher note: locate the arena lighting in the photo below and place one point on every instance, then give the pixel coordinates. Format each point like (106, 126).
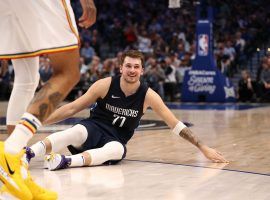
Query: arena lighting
(174, 3)
(258, 49)
(268, 49)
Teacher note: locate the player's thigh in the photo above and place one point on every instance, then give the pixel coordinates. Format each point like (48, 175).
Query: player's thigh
(65, 62)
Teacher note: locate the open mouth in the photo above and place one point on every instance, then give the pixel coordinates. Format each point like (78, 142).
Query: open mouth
(132, 76)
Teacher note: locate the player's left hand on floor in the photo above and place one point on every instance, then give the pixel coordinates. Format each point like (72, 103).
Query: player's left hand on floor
(213, 155)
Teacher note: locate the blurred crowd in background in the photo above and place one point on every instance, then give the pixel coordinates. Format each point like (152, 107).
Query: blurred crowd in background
(167, 39)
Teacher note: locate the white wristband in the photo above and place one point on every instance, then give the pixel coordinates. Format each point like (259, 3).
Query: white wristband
(178, 128)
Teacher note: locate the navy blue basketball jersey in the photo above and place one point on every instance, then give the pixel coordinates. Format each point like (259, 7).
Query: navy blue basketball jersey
(121, 112)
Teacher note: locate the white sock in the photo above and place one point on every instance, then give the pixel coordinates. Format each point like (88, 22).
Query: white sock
(76, 160)
(22, 133)
(39, 149)
(18, 139)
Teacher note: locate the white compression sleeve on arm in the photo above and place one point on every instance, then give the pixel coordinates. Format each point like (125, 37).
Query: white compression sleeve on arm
(178, 128)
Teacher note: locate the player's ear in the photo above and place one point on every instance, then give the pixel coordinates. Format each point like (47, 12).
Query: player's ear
(121, 69)
(142, 71)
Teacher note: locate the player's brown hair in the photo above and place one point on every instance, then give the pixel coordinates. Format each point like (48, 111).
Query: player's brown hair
(132, 54)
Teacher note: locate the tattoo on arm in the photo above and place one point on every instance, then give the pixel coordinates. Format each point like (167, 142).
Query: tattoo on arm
(187, 134)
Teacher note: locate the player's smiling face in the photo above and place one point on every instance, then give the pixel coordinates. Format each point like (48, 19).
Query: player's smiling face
(131, 69)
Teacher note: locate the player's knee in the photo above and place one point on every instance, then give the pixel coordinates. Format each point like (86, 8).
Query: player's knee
(26, 87)
(78, 135)
(117, 150)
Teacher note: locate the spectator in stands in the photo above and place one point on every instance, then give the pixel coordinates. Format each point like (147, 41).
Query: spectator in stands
(154, 76)
(246, 87)
(83, 67)
(144, 43)
(130, 35)
(263, 65)
(117, 61)
(95, 70)
(181, 49)
(159, 45)
(170, 83)
(265, 82)
(108, 67)
(229, 51)
(173, 32)
(83, 84)
(116, 36)
(4, 80)
(239, 47)
(96, 64)
(87, 52)
(96, 42)
(185, 64)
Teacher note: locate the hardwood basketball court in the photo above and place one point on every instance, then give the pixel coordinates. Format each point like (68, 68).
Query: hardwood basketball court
(160, 165)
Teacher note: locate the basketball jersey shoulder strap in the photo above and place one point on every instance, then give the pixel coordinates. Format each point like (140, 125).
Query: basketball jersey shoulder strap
(113, 85)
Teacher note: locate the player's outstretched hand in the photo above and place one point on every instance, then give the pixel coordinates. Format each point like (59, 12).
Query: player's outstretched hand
(89, 15)
(213, 155)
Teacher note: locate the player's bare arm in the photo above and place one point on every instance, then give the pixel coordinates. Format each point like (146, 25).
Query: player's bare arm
(208, 152)
(88, 17)
(153, 100)
(187, 134)
(98, 90)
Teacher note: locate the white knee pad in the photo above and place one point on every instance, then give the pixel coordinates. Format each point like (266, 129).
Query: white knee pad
(25, 83)
(74, 136)
(111, 151)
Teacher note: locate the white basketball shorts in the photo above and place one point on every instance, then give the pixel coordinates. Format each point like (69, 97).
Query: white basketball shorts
(33, 27)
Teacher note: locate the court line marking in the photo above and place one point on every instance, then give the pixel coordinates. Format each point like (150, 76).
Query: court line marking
(187, 165)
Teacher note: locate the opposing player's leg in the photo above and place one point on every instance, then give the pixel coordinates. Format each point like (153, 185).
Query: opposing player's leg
(26, 80)
(65, 67)
(65, 76)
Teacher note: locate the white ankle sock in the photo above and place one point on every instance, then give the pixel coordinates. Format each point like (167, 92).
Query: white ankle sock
(76, 160)
(18, 139)
(39, 149)
(22, 133)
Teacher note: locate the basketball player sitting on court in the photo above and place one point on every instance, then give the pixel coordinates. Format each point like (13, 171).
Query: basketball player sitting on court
(120, 103)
